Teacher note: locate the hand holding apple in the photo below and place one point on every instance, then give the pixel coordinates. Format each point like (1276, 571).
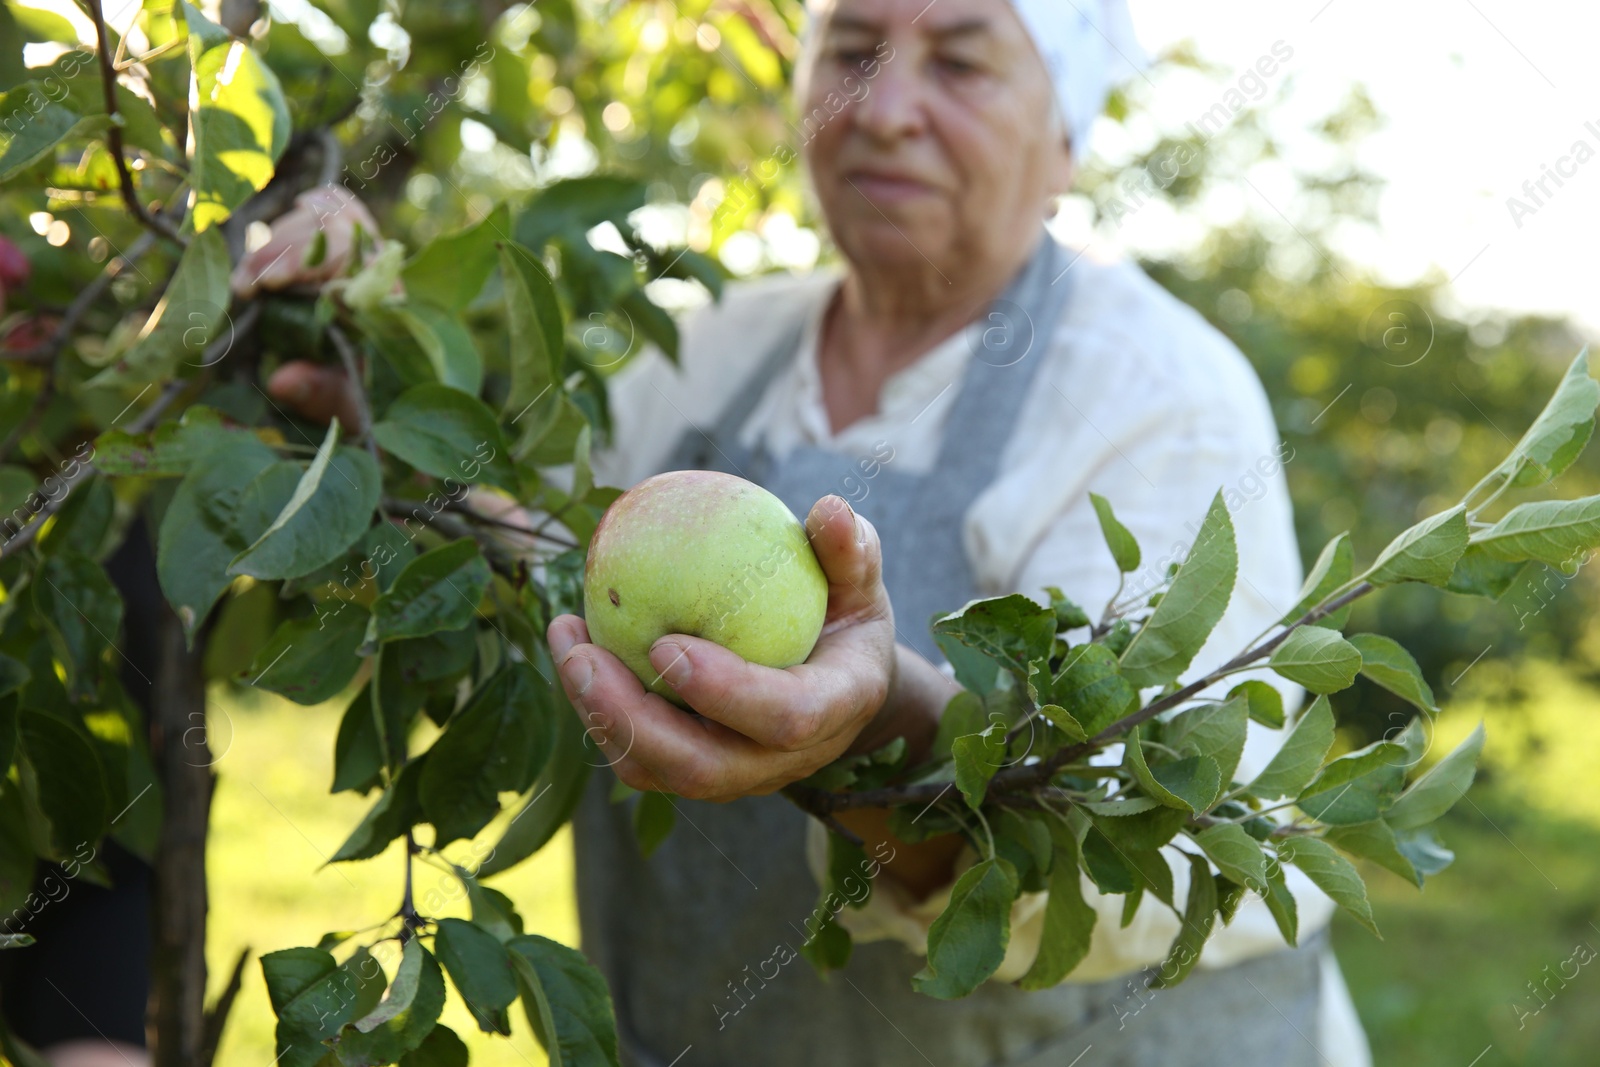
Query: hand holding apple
(760, 728)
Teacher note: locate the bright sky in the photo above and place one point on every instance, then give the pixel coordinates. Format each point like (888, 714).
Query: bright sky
(1479, 96)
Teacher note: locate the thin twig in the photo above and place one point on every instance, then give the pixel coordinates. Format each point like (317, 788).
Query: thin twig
(217, 1018)
(449, 527)
(147, 418)
(46, 351)
(108, 79)
(352, 373)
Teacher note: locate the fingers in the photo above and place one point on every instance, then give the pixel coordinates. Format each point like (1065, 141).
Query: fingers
(650, 743)
(315, 392)
(851, 555)
(792, 710)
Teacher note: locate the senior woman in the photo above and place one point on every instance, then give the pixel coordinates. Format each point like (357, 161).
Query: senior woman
(968, 381)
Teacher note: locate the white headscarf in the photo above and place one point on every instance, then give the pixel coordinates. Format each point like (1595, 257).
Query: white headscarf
(1088, 47)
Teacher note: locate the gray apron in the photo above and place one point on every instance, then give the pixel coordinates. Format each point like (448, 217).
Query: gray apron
(699, 942)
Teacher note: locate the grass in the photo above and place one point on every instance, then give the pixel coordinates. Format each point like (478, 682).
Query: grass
(273, 824)
(1438, 991)
(1450, 981)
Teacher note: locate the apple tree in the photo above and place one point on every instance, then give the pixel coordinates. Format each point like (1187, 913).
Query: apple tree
(208, 199)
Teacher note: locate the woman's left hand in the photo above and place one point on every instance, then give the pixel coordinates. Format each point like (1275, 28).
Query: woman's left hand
(761, 728)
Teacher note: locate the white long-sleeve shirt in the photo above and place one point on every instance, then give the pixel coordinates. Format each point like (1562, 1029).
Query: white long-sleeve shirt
(1141, 401)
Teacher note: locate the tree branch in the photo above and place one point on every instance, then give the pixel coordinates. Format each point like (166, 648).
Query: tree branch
(108, 80)
(47, 351)
(147, 418)
(1031, 777)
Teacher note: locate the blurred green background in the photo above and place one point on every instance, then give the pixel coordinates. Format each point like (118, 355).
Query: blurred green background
(1394, 399)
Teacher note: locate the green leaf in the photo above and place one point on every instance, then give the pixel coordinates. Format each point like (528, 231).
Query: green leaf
(828, 948)
(1331, 873)
(568, 1005)
(1477, 573)
(1331, 571)
(480, 967)
(195, 547)
(1062, 720)
(70, 785)
(967, 942)
(385, 1034)
(183, 325)
(1178, 627)
(1091, 688)
(1069, 616)
(441, 1048)
(1068, 921)
(1558, 435)
(450, 271)
(553, 796)
(1264, 702)
(395, 812)
(1358, 787)
(1375, 841)
(1150, 872)
(313, 998)
(1294, 765)
(1237, 855)
(1106, 863)
(32, 125)
(1214, 730)
(1280, 902)
(1144, 831)
(13, 676)
(651, 320)
(499, 741)
(1011, 629)
(439, 590)
(446, 342)
(401, 992)
(312, 659)
(1190, 784)
(1549, 531)
(241, 123)
(1437, 791)
(1124, 549)
(1388, 664)
(534, 323)
(492, 910)
(574, 206)
(357, 751)
(978, 674)
(1427, 552)
(1199, 916)
(1319, 659)
(653, 818)
(80, 610)
(1424, 850)
(331, 508)
(977, 757)
(446, 433)
(170, 450)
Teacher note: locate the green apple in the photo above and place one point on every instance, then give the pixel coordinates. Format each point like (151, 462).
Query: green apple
(708, 555)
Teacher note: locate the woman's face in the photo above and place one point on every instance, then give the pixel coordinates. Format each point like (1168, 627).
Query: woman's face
(928, 133)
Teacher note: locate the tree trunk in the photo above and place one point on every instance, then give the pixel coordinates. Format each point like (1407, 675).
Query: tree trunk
(183, 762)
